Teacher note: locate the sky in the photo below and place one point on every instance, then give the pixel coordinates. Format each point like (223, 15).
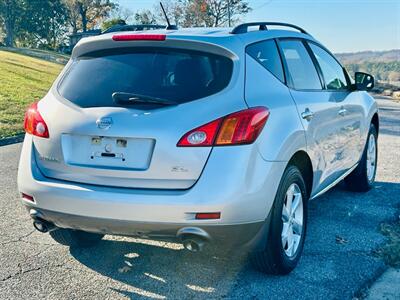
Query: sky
(341, 25)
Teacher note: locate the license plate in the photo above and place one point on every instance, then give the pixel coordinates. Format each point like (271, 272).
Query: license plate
(106, 147)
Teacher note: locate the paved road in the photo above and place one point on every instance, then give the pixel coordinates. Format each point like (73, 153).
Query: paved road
(337, 260)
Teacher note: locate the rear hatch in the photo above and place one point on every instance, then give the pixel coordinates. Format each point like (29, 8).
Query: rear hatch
(116, 115)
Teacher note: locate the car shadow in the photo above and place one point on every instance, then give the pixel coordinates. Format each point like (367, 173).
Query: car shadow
(161, 270)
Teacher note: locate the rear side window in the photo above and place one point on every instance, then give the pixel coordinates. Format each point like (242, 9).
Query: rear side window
(331, 70)
(302, 72)
(170, 74)
(266, 53)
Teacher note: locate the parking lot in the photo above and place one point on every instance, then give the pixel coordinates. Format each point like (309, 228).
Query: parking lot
(338, 259)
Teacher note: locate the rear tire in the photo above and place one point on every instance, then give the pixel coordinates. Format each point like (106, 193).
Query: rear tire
(75, 238)
(286, 237)
(363, 177)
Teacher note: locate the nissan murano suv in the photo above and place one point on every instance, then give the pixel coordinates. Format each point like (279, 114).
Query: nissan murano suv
(199, 136)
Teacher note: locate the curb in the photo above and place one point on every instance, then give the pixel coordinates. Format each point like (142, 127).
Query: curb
(12, 139)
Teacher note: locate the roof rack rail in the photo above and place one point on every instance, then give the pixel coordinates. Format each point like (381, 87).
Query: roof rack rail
(243, 28)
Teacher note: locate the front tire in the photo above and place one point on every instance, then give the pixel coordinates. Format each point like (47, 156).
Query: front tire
(75, 238)
(363, 177)
(288, 226)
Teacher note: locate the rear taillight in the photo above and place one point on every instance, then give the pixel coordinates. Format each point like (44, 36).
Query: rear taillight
(201, 136)
(139, 37)
(239, 128)
(34, 123)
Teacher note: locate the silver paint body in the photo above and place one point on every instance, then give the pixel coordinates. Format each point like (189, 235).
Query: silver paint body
(165, 184)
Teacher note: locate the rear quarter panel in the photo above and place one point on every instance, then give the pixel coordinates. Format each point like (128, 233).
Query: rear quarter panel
(283, 134)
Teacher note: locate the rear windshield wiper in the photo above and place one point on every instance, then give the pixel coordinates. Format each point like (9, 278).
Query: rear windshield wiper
(132, 98)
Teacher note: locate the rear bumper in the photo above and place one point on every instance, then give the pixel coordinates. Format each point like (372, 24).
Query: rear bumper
(237, 182)
(232, 235)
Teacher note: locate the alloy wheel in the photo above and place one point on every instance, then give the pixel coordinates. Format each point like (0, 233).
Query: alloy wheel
(371, 157)
(292, 218)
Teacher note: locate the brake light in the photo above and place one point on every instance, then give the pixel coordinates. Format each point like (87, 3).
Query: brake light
(239, 128)
(34, 123)
(139, 37)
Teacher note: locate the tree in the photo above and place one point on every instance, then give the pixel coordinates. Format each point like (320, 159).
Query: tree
(110, 23)
(44, 23)
(91, 11)
(9, 15)
(122, 13)
(222, 11)
(73, 14)
(175, 10)
(209, 13)
(145, 17)
(197, 14)
(88, 13)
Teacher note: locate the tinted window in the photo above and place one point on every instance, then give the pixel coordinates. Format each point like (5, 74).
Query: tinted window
(171, 74)
(267, 55)
(301, 69)
(331, 70)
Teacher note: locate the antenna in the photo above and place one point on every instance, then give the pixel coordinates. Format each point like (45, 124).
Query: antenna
(169, 27)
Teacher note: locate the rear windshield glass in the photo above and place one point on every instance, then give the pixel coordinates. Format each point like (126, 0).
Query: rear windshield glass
(171, 74)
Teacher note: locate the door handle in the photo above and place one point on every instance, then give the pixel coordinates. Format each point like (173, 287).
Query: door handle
(307, 114)
(342, 111)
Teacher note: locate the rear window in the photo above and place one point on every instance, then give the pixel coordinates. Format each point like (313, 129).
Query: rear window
(172, 74)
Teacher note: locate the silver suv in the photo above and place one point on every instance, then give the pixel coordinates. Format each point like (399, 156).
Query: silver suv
(197, 135)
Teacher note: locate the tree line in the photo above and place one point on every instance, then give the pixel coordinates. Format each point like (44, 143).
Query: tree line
(382, 71)
(46, 24)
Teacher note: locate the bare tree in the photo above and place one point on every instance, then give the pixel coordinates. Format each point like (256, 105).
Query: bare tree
(174, 9)
(73, 14)
(196, 13)
(224, 11)
(122, 13)
(145, 17)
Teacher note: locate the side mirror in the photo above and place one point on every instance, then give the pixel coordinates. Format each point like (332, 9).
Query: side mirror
(364, 81)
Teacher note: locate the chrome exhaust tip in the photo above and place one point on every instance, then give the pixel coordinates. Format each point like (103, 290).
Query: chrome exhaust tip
(193, 238)
(43, 226)
(40, 224)
(193, 244)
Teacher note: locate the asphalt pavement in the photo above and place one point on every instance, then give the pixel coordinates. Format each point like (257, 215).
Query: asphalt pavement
(337, 262)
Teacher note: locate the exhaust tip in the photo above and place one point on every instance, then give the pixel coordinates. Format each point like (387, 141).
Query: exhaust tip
(39, 223)
(40, 226)
(193, 244)
(193, 238)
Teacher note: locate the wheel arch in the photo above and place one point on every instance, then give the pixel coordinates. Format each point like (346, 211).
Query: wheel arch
(375, 121)
(302, 160)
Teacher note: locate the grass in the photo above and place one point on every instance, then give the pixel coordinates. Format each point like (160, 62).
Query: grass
(390, 252)
(42, 54)
(23, 80)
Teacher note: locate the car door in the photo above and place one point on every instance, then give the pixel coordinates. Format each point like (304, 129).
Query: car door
(350, 112)
(317, 108)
